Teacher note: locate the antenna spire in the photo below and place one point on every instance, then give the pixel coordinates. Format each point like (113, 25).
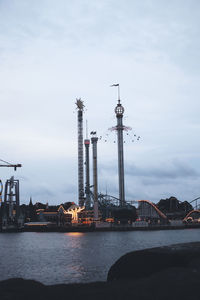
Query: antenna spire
(86, 129)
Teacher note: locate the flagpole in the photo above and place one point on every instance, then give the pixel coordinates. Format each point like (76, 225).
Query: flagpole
(118, 94)
(117, 84)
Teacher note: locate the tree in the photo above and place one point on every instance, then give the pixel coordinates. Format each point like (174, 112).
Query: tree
(125, 215)
(174, 208)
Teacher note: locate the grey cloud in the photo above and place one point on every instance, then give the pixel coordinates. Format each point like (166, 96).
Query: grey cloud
(171, 170)
(154, 182)
(23, 178)
(48, 45)
(41, 191)
(167, 171)
(69, 189)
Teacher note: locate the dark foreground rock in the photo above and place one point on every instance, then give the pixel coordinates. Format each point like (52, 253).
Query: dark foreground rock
(143, 263)
(160, 273)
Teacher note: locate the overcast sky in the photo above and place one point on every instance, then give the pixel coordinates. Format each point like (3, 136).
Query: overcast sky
(52, 52)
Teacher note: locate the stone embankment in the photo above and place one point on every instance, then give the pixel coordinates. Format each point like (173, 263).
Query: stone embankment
(110, 227)
(171, 272)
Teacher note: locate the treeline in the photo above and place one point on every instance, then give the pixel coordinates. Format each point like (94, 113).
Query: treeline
(173, 207)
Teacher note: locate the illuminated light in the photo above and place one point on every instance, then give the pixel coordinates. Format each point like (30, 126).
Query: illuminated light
(74, 212)
(110, 220)
(191, 212)
(75, 234)
(87, 142)
(87, 222)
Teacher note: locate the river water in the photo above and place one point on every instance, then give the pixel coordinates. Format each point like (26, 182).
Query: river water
(53, 258)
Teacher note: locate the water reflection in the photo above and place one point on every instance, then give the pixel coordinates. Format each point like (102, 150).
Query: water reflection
(74, 234)
(54, 258)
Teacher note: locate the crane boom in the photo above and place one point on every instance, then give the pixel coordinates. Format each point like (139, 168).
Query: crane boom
(7, 164)
(12, 166)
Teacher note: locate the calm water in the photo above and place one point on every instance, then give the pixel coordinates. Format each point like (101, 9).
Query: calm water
(76, 257)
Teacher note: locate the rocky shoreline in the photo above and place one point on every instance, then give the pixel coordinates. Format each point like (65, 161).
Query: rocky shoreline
(170, 272)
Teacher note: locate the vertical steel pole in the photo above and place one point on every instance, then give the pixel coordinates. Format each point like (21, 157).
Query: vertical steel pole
(119, 110)
(120, 160)
(87, 173)
(95, 181)
(17, 199)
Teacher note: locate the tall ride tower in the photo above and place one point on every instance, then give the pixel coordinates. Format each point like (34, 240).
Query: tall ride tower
(87, 170)
(80, 107)
(119, 111)
(94, 140)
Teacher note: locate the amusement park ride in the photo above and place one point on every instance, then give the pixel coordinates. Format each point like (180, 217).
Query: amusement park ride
(88, 200)
(10, 218)
(93, 199)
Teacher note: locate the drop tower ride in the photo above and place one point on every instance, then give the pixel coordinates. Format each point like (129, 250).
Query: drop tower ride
(87, 170)
(80, 107)
(119, 111)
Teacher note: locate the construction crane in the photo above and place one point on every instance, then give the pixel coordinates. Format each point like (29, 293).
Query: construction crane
(7, 164)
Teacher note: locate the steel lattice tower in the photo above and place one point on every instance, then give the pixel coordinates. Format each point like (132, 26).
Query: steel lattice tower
(11, 198)
(80, 108)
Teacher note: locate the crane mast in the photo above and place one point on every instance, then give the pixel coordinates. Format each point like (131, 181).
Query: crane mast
(11, 205)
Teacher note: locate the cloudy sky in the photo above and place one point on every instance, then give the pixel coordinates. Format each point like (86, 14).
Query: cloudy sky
(52, 52)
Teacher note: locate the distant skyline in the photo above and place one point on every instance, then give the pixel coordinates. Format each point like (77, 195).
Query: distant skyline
(53, 52)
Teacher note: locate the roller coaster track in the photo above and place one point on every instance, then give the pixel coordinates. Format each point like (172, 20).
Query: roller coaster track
(195, 199)
(114, 200)
(155, 207)
(109, 200)
(191, 212)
